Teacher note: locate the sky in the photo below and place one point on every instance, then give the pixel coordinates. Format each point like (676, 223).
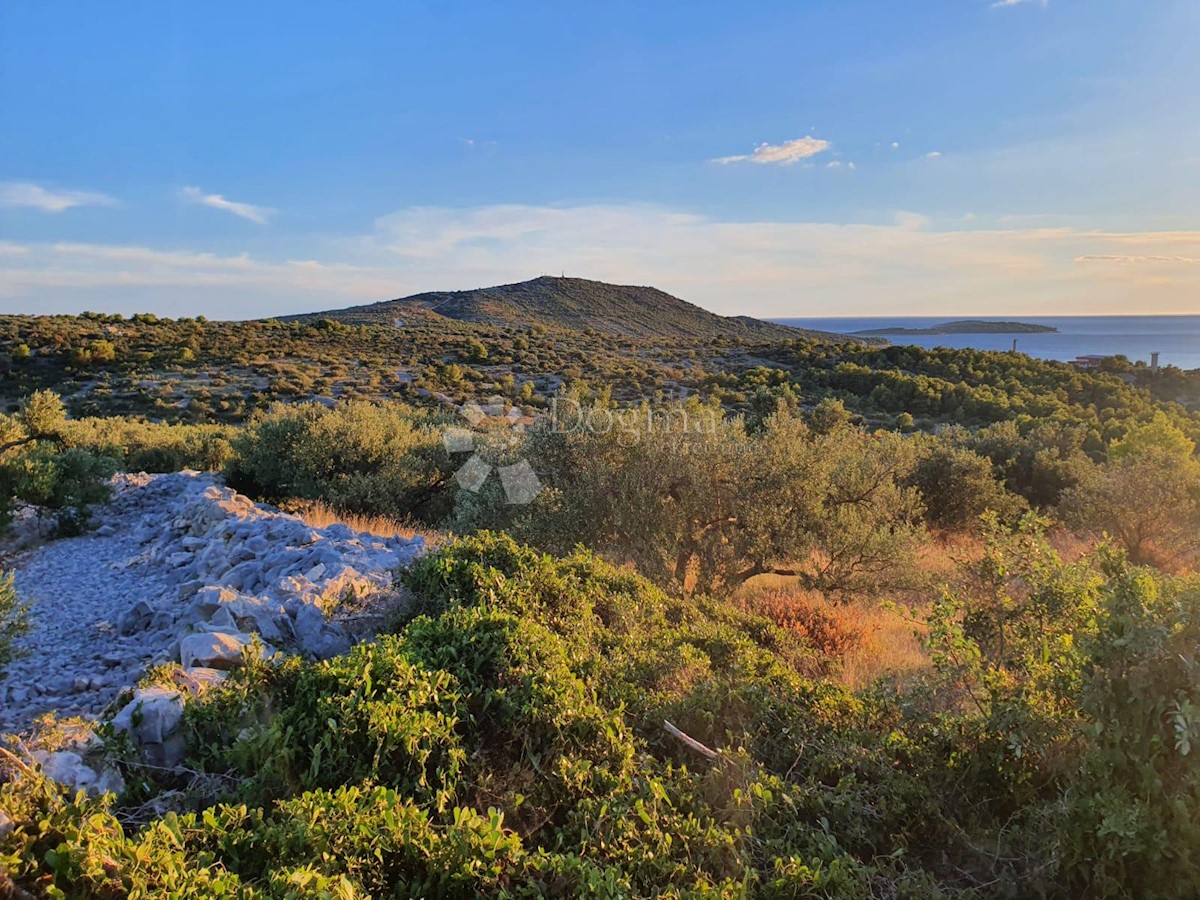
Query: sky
(826, 157)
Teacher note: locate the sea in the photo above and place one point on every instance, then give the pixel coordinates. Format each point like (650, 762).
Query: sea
(1176, 339)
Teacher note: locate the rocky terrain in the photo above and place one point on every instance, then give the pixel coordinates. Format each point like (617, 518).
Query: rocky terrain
(180, 569)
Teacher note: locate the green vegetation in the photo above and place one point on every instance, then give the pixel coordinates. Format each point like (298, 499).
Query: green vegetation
(39, 468)
(13, 621)
(722, 515)
(573, 303)
(507, 740)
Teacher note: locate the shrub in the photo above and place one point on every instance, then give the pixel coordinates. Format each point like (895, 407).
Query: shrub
(384, 459)
(834, 631)
(957, 486)
(13, 621)
(700, 505)
(1149, 502)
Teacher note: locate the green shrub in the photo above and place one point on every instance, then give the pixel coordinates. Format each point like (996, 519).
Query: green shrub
(376, 459)
(13, 621)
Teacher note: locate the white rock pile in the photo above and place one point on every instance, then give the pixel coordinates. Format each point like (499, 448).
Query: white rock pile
(184, 569)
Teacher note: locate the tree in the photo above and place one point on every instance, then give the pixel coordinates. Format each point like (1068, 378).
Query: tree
(828, 415)
(102, 351)
(1157, 434)
(700, 505)
(958, 485)
(1147, 501)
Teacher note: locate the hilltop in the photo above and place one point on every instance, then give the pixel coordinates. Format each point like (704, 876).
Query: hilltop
(574, 303)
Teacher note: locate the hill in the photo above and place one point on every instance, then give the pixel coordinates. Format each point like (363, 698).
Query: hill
(574, 303)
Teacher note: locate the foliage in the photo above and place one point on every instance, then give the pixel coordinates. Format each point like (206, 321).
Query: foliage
(37, 468)
(699, 504)
(957, 486)
(358, 457)
(1148, 501)
(506, 741)
(13, 621)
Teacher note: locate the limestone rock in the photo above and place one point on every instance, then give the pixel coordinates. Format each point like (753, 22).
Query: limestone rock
(151, 716)
(214, 650)
(136, 618)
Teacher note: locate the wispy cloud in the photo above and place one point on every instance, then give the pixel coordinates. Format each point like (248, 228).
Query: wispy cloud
(259, 214)
(763, 267)
(781, 154)
(1137, 260)
(14, 194)
(1003, 3)
(933, 154)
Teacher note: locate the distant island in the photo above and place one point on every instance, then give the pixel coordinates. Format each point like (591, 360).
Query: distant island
(965, 326)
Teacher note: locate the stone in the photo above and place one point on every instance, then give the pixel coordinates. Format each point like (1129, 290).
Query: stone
(317, 637)
(213, 650)
(66, 767)
(199, 679)
(158, 575)
(208, 600)
(151, 716)
(136, 618)
(222, 620)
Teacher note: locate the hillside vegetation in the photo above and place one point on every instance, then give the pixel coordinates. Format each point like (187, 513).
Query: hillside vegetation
(576, 303)
(664, 671)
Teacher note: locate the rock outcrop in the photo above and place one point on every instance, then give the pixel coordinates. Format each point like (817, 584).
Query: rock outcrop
(180, 568)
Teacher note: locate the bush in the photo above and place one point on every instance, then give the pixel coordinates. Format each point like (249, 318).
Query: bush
(36, 469)
(958, 486)
(380, 459)
(700, 505)
(507, 740)
(153, 446)
(13, 621)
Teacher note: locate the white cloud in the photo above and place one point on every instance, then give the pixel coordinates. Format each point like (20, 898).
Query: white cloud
(783, 154)
(767, 268)
(833, 164)
(999, 4)
(259, 214)
(31, 196)
(933, 154)
(1137, 259)
(895, 145)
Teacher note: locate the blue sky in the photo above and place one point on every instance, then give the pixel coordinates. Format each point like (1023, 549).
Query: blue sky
(818, 158)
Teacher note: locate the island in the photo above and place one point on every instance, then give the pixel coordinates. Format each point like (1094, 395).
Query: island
(964, 326)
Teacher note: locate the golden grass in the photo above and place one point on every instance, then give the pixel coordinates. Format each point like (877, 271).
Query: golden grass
(321, 515)
(881, 639)
(871, 640)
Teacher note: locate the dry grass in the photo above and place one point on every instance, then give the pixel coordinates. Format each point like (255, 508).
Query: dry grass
(321, 515)
(871, 640)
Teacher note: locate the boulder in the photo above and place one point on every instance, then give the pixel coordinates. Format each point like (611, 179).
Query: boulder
(136, 618)
(214, 650)
(318, 637)
(151, 716)
(68, 768)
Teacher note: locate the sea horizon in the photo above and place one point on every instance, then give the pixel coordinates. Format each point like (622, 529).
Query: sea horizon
(1175, 337)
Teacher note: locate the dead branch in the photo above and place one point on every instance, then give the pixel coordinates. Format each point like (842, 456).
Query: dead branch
(691, 742)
